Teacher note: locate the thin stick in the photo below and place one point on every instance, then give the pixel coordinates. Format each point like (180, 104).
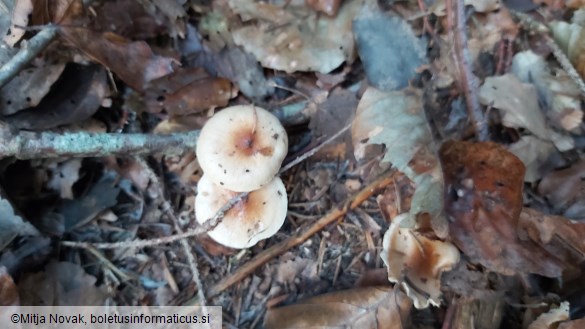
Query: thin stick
(537, 27)
(25, 55)
(168, 209)
(204, 228)
(300, 237)
(456, 10)
(312, 152)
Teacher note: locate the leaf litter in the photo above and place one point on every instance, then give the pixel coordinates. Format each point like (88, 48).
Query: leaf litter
(506, 213)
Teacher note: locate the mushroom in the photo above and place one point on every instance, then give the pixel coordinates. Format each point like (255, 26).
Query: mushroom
(242, 147)
(416, 262)
(258, 216)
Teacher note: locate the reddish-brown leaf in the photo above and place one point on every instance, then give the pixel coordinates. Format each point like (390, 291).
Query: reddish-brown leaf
(483, 200)
(133, 62)
(373, 307)
(187, 91)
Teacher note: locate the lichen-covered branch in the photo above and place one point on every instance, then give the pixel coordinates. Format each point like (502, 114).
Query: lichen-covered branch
(35, 145)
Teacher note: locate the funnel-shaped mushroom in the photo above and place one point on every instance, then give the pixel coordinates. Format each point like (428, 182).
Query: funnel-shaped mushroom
(242, 147)
(257, 217)
(416, 262)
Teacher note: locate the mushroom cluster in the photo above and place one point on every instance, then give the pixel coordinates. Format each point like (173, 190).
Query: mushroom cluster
(240, 149)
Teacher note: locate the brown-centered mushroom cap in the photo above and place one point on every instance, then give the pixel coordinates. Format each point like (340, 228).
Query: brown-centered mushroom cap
(257, 217)
(242, 147)
(417, 262)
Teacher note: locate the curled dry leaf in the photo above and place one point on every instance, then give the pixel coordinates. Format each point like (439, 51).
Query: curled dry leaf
(551, 318)
(571, 38)
(416, 262)
(483, 201)
(372, 307)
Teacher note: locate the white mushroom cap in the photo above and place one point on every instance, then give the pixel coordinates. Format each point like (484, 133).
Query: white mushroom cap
(255, 218)
(242, 147)
(417, 262)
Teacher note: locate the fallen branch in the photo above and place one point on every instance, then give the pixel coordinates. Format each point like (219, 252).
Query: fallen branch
(33, 145)
(300, 237)
(456, 22)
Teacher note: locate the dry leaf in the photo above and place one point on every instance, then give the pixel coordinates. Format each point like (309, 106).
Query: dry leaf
(28, 88)
(560, 187)
(61, 284)
(483, 199)
(389, 50)
(519, 103)
(571, 38)
(133, 62)
(397, 121)
(12, 225)
(76, 97)
(575, 324)
(312, 43)
(374, 307)
(533, 152)
(559, 236)
(8, 291)
(550, 319)
(20, 16)
(559, 94)
(187, 91)
(63, 175)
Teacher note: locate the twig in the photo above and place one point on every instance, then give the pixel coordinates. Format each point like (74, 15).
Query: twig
(25, 55)
(204, 228)
(312, 152)
(456, 21)
(300, 237)
(168, 210)
(38, 145)
(559, 54)
(31, 145)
